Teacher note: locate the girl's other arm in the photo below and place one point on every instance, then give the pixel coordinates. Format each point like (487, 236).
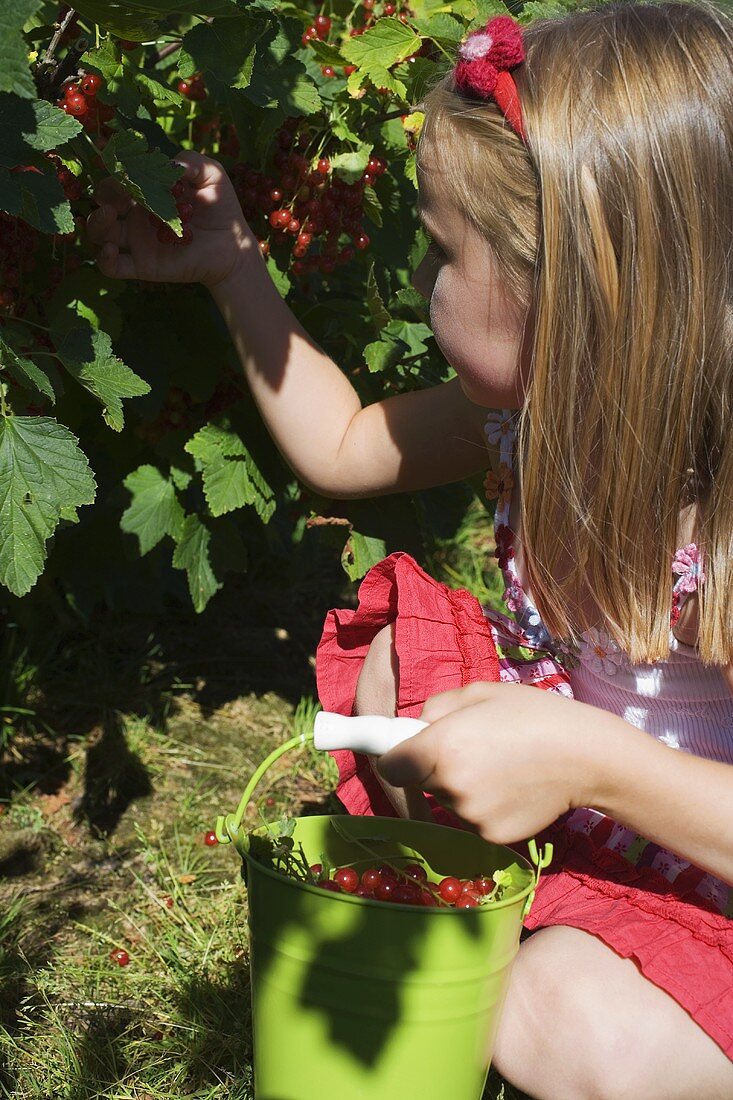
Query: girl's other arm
(336, 447)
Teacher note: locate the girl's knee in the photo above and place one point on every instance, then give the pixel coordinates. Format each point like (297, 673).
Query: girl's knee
(376, 689)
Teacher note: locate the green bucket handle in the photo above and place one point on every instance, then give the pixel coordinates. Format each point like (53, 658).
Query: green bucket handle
(228, 825)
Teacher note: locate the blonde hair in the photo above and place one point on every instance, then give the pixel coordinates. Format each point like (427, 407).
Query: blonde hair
(615, 226)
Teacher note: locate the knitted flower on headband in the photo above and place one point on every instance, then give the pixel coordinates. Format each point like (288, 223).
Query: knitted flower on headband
(485, 58)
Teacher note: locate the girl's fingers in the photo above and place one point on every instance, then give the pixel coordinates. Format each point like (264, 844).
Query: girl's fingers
(413, 763)
(104, 225)
(109, 192)
(200, 171)
(115, 264)
(438, 706)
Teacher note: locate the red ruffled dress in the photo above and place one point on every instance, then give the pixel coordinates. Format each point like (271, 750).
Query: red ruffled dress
(645, 902)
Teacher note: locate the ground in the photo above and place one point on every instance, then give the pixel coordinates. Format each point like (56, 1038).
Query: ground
(141, 731)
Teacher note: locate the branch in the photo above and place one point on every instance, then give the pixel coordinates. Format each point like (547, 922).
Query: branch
(165, 51)
(54, 43)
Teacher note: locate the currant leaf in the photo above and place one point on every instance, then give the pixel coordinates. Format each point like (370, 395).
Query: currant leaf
(44, 477)
(155, 510)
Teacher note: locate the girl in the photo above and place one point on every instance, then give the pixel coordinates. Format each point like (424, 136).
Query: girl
(577, 181)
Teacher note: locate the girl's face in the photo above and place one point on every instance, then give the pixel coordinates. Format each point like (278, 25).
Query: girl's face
(481, 334)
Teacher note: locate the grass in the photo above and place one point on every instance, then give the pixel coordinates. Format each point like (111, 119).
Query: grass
(137, 735)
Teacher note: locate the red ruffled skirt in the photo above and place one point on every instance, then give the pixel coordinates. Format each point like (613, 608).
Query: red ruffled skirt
(443, 641)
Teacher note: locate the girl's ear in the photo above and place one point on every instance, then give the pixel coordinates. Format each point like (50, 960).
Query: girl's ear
(687, 626)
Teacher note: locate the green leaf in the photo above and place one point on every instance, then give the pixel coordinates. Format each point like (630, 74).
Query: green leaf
(37, 198)
(91, 297)
(411, 333)
(25, 372)
(281, 279)
(153, 89)
(44, 477)
(442, 28)
(117, 72)
(226, 48)
(386, 43)
(155, 510)
(372, 206)
(122, 21)
(87, 355)
(34, 125)
(14, 73)
(192, 554)
(146, 174)
(230, 475)
(350, 166)
(360, 553)
(376, 306)
(382, 354)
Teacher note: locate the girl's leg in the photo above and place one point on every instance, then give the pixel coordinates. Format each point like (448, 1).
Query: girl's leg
(376, 693)
(582, 1023)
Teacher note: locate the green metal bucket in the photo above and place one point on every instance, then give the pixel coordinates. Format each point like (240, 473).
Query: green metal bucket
(353, 999)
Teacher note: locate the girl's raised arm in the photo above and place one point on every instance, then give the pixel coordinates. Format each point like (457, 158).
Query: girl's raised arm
(336, 447)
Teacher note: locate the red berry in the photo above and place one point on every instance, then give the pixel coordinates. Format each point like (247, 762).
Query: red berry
(105, 112)
(168, 902)
(304, 240)
(384, 891)
(467, 901)
(329, 884)
(316, 869)
(416, 872)
(328, 70)
(389, 8)
(323, 25)
(75, 104)
(347, 878)
(128, 44)
(371, 878)
(183, 88)
(264, 248)
(387, 873)
(284, 139)
(120, 956)
(276, 195)
(349, 69)
(279, 219)
(300, 268)
(406, 893)
(367, 5)
(210, 838)
(483, 885)
(361, 241)
(91, 83)
(450, 888)
(428, 898)
(185, 211)
(167, 236)
(361, 891)
(293, 226)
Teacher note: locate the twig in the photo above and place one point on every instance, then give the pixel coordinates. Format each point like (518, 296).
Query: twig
(54, 43)
(166, 51)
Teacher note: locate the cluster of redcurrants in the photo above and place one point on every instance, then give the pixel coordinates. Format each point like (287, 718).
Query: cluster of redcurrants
(407, 885)
(307, 207)
(193, 88)
(80, 100)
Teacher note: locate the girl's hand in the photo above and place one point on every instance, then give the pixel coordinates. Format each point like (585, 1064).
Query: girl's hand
(128, 244)
(509, 759)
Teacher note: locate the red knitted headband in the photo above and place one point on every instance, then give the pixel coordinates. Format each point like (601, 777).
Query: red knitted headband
(485, 58)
